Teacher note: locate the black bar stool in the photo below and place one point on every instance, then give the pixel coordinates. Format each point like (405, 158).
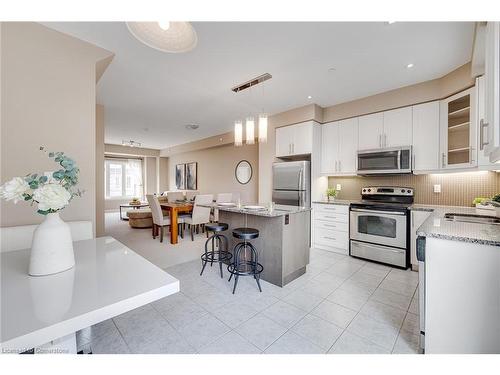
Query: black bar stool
(222, 255)
(244, 265)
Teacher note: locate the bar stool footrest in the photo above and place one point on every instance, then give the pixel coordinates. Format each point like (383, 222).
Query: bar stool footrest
(245, 268)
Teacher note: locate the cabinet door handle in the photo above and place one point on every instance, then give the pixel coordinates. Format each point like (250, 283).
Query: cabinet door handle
(330, 225)
(340, 166)
(471, 153)
(443, 157)
(330, 238)
(385, 140)
(335, 165)
(482, 143)
(380, 140)
(329, 217)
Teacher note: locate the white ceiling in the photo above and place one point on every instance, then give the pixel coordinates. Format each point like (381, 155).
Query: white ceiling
(149, 96)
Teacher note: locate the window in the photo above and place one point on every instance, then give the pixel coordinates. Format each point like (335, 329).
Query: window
(123, 178)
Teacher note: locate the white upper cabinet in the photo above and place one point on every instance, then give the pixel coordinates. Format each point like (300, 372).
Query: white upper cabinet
(302, 138)
(339, 147)
(371, 128)
(294, 139)
(397, 127)
(483, 159)
(458, 125)
(284, 139)
(329, 148)
(492, 91)
(426, 137)
(348, 146)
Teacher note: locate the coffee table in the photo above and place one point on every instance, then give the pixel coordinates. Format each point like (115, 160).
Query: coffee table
(128, 205)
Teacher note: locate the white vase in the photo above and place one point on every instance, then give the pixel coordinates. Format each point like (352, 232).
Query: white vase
(52, 247)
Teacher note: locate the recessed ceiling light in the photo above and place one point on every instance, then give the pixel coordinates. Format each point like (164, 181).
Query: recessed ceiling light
(391, 22)
(309, 97)
(332, 69)
(192, 126)
(409, 66)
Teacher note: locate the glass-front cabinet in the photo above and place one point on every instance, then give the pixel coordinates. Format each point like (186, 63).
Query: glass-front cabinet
(458, 130)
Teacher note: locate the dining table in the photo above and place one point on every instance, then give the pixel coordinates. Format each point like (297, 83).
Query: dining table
(174, 209)
(41, 314)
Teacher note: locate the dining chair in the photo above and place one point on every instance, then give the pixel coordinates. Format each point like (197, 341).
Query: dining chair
(200, 215)
(173, 196)
(160, 221)
(190, 195)
(221, 198)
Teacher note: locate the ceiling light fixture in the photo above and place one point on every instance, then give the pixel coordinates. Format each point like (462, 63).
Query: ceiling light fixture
(250, 121)
(263, 128)
(309, 97)
(131, 143)
(250, 128)
(409, 66)
(164, 25)
(238, 133)
(192, 126)
(391, 22)
(173, 37)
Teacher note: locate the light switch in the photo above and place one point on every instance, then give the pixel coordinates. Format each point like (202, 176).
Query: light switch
(437, 188)
(339, 187)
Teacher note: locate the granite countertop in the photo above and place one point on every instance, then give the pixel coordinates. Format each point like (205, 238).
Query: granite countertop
(437, 226)
(279, 209)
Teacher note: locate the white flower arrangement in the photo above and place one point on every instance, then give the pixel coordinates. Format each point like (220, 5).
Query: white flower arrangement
(51, 192)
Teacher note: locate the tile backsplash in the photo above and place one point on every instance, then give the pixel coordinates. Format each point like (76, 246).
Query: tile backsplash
(457, 189)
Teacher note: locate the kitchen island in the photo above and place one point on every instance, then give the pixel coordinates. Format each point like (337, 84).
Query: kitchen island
(284, 238)
(459, 281)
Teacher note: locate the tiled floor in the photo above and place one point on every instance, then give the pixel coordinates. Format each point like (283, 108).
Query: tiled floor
(341, 305)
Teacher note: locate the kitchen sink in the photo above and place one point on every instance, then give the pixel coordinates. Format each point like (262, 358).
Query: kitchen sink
(470, 218)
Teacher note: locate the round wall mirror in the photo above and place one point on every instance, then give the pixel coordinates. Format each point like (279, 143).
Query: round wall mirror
(243, 172)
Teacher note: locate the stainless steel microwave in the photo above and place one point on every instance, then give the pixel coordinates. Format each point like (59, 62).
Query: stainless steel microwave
(385, 161)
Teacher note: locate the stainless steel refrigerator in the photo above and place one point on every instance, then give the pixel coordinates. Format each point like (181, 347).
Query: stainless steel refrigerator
(292, 183)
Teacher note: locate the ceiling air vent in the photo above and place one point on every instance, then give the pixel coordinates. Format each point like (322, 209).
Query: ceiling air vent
(252, 82)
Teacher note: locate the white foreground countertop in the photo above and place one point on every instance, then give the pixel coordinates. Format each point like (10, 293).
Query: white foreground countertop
(107, 280)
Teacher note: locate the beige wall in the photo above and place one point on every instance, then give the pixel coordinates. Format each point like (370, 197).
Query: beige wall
(99, 171)
(457, 189)
(164, 180)
(216, 167)
(451, 83)
(150, 173)
(48, 98)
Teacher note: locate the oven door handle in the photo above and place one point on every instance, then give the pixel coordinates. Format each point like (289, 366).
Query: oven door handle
(378, 212)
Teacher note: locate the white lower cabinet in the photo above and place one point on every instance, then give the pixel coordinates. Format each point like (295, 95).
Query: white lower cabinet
(417, 219)
(331, 227)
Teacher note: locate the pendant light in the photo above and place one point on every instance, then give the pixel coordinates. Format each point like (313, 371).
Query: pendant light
(250, 131)
(263, 128)
(238, 133)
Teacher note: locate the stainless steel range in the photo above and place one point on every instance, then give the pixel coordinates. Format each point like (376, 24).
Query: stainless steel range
(379, 226)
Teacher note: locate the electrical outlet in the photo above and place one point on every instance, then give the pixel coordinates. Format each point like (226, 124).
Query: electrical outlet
(437, 188)
(339, 187)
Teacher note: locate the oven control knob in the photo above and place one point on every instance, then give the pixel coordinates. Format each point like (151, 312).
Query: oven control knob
(403, 190)
(369, 190)
(364, 190)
